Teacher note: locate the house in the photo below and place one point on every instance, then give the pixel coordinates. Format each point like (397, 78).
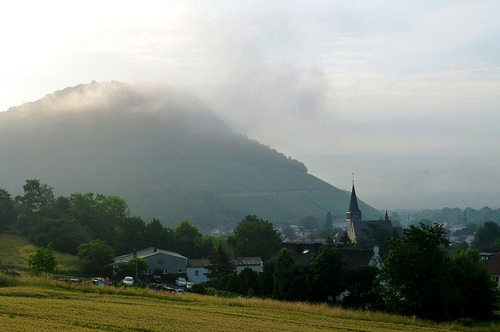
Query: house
(302, 253)
(162, 261)
(197, 268)
(494, 268)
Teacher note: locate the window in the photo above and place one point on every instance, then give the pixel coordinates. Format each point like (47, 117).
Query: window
(196, 273)
(165, 271)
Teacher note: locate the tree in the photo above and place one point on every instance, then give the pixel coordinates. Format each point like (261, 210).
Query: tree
(415, 275)
(328, 221)
(156, 235)
(220, 263)
(37, 197)
(486, 235)
(134, 267)
(360, 285)
(326, 274)
(130, 234)
(7, 212)
(43, 261)
(65, 234)
(478, 292)
(283, 275)
(255, 237)
(95, 257)
(190, 242)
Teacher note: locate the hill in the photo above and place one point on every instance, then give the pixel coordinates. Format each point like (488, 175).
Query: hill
(15, 252)
(163, 152)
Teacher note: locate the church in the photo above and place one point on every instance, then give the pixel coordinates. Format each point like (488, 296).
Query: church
(367, 233)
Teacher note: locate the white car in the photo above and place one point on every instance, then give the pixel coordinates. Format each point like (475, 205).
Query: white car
(129, 281)
(181, 282)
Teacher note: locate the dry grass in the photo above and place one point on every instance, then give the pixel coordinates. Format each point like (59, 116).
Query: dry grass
(31, 305)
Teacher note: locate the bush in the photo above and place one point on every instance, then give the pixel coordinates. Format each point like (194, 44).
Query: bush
(198, 288)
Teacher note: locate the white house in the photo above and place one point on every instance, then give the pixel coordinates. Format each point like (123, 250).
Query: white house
(160, 260)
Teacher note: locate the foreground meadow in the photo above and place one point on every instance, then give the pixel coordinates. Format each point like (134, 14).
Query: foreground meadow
(53, 307)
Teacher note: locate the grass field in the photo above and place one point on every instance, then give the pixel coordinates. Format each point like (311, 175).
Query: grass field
(27, 305)
(15, 252)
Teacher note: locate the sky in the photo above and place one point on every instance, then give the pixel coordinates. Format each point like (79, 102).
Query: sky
(404, 94)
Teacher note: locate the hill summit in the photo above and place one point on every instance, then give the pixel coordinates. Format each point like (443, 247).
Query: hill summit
(162, 151)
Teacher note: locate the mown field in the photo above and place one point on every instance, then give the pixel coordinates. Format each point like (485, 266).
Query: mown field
(56, 306)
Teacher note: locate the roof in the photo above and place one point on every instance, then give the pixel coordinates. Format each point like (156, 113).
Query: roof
(302, 253)
(353, 204)
(147, 252)
(239, 261)
(365, 229)
(494, 265)
(355, 258)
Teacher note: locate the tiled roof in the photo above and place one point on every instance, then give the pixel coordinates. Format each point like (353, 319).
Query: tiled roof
(494, 265)
(239, 261)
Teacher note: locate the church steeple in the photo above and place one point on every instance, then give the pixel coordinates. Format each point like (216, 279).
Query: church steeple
(354, 213)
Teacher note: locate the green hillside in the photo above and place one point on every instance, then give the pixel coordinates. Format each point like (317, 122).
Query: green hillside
(15, 252)
(160, 150)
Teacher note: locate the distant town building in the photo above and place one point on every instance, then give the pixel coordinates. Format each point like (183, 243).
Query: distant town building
(367, 233)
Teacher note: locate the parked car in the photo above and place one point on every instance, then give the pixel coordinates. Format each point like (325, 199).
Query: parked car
(129, 281)
(181, 282)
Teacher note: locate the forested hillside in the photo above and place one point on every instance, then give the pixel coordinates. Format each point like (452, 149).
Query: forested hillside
(160, 150)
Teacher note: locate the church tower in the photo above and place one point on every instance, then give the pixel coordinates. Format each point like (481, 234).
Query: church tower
(353, 215)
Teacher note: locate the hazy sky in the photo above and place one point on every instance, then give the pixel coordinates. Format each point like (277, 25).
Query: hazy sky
(405, 94)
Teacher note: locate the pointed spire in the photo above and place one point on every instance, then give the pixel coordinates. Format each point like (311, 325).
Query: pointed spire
(354, 213)
(353, 205)
(386, 215)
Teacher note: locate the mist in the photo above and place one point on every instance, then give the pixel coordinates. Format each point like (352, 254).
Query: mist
(404, 96)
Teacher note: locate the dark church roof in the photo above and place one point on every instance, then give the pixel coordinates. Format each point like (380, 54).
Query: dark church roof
(353, 204)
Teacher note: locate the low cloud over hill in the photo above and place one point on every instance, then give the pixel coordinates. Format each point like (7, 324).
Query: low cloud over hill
(162, 151)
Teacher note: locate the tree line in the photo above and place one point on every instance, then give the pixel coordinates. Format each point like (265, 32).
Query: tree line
(68, 221)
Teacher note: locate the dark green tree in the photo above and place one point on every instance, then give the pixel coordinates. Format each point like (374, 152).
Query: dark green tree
(255, 237)
(220, 263)
(360, 285)
(7, 211)
(486, 235)
(65, 234)
(415, 276)
(248, 283)
(283, 276)
(326, 274)
(43, 261)
(190, 242)
(266, 278)
(130, 234)
(328, 221)
(37, 198)
(156, 235)
(95, 257)
(478, 292)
